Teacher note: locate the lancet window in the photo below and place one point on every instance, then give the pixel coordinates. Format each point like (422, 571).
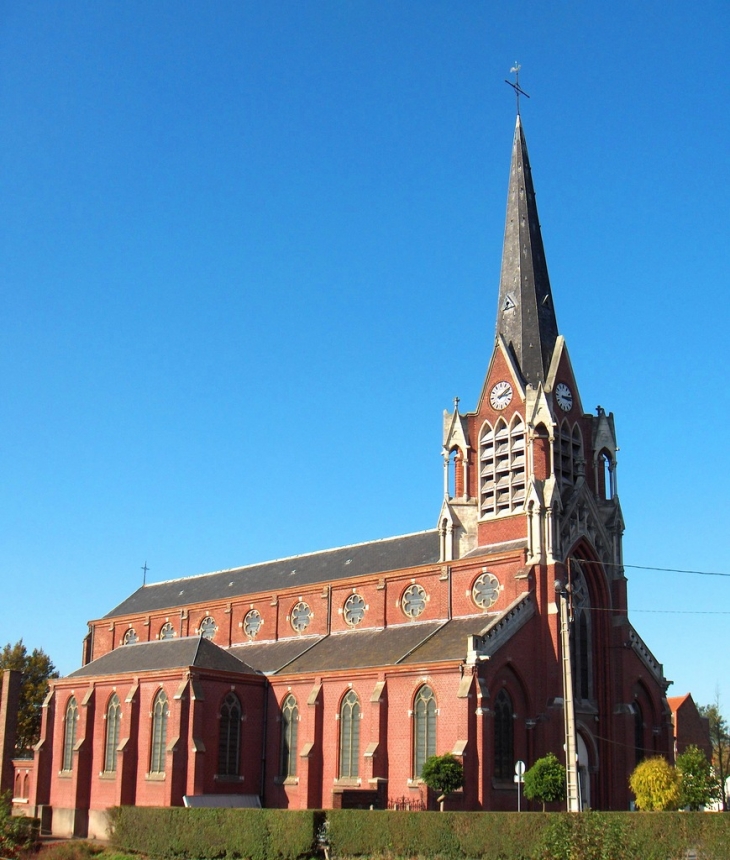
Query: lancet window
(350, 737)
(581, 639)
(289, 727)
(424, 728)
(113, 720)
(229, 738)
(160, 715)
(502, 468)
(69, 734)
(504, 736)
(568, 455)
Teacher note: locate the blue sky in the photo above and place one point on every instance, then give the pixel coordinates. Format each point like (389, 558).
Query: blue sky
(250, 251)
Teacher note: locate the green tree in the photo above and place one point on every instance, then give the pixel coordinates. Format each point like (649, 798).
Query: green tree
(443, 774)
(37, 668)
(698, 783)
(655, 784)
(545, 780)
(720, 738)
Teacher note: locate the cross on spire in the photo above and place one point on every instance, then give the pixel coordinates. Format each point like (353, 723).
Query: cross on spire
(515, 70)
(144, 573)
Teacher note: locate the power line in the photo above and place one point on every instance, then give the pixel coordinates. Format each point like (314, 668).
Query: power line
(648, 567)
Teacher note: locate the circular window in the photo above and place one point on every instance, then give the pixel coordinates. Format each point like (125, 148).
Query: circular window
(485, 590)
(354, 610)
(167, 631)
(130, 637)
(414, 600)
(252, 623)
(207, 628)
(300, 617)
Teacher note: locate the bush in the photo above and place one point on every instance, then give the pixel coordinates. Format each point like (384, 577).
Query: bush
(656, 785)
(206, 834)
(279, 834)
(17, 834)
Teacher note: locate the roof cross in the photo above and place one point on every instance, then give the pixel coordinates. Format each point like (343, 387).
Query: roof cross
(515, 70)
(144, 573)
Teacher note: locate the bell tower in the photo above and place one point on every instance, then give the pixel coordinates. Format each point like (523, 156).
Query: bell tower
(528, 466)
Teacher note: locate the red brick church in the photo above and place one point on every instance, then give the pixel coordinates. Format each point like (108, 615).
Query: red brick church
(327, 679)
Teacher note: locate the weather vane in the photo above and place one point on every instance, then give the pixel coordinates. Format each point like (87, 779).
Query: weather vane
(515, 70)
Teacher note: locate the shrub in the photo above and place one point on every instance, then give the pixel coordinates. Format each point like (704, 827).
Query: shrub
(17, 834)
(656, 785)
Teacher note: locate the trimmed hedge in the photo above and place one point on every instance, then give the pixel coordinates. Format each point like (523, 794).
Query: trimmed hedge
(206, 834)
(279, 834)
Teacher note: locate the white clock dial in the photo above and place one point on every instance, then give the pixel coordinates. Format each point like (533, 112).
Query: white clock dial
(501, 395)
(564, 396)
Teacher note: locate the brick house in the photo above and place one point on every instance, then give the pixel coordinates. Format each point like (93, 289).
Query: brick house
(326, 679)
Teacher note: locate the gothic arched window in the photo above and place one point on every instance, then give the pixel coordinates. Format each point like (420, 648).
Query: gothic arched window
(113, 719)
(504, 736)
(69, 733)
(581, 639)
(639, 750)
(160, 714)
(167, 631)
(350, 737)
(229, 738)
(424, 728)
(289, 726)
(502, 467)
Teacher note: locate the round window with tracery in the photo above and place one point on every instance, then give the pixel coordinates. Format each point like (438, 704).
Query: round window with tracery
(413, 601)
(130, 637)
(252, 623)
(354, 610)
(485, 590)
(300, 617)
(207, 627)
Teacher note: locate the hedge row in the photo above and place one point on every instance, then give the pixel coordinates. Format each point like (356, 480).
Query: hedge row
(277, 834)
(205, 834)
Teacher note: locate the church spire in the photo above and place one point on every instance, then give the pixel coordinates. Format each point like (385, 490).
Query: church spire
(525, 316)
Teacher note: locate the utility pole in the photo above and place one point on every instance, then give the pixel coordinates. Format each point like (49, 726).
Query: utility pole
(571, 758)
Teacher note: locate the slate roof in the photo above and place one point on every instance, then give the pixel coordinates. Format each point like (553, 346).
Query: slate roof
(165, 654)
(272, 657)
(324, 566)
(525, 314)
(449, 643)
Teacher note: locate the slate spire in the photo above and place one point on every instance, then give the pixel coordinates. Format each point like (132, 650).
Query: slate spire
(525, 316)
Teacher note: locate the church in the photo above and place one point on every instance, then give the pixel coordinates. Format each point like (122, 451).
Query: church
(327, 679)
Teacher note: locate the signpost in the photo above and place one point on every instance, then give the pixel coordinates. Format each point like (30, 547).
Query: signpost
(519, 779)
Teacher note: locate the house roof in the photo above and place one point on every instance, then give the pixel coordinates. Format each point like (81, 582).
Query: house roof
(352, 561)
(190, 651)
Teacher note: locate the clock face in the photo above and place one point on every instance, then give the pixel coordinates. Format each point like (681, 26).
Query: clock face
(501, 395)
(564, 396)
